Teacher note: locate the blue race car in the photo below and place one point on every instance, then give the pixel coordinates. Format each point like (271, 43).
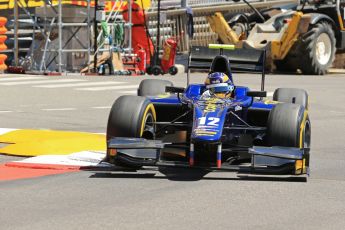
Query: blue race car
(181, 127)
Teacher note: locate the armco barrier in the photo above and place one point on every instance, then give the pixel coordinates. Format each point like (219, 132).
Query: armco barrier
(3, 46)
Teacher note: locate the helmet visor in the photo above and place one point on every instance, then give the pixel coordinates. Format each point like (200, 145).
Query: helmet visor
(220, 88)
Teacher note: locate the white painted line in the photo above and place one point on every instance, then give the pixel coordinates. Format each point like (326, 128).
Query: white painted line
(109, 88)
(41, 82)
(4, 130)
(132, 92)
(80, 84)
(60, 109)
(6, 111)
(101, 107)
(20, 78)
(84, 158)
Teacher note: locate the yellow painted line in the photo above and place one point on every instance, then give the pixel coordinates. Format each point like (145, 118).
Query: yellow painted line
(49, 142)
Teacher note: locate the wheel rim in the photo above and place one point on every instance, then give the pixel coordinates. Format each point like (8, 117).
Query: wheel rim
(307, 133)
(323, 48)
(149, 127)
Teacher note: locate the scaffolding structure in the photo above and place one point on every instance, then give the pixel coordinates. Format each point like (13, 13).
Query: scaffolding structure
(58, 41)
(56, 31)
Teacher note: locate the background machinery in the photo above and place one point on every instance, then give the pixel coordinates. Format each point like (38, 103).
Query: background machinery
(304, 37)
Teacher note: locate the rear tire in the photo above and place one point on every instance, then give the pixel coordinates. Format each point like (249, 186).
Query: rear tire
(153, 87)
(317, 49)
(291, 95)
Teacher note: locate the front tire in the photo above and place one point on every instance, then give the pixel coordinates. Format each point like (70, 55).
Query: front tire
(131, 116)
(288, 125)
(318, 49)
(284, 125)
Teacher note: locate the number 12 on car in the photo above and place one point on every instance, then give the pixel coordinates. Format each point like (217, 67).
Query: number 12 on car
(208, 121)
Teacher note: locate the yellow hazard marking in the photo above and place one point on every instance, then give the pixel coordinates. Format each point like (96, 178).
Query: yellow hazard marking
(48, 142)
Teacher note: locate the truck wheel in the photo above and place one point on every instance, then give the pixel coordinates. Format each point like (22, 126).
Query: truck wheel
(153, 87)
(289, 125)
(318, 49)
(291, 95)
(131, 116)
(288, 64)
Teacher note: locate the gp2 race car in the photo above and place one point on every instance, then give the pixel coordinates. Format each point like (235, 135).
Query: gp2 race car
(169, 126)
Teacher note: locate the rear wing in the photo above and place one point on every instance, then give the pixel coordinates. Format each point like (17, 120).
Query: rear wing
(241, 60)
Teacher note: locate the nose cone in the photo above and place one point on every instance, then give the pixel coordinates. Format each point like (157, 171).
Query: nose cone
(208, 123)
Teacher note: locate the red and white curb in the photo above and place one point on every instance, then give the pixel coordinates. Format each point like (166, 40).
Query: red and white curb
(39, 166)
(79, 159)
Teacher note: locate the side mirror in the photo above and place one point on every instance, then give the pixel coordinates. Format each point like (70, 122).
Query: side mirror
(173, 89)
(257, 93)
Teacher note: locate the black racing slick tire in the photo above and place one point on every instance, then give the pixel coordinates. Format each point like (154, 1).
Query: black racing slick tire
(317, 49)
(291, 95)
(288, 125)
(153, 87)
(131, 116)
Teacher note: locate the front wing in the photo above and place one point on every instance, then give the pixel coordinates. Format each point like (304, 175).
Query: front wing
(264, 160)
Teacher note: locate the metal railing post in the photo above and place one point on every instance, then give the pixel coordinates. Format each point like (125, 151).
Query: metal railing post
(60, 37)
(16, 15)
(88, 35)
(130, 26)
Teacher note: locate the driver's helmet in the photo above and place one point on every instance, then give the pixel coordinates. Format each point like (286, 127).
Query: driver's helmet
(219, 84)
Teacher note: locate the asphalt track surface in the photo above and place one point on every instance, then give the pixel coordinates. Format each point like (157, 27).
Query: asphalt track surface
(175, 199)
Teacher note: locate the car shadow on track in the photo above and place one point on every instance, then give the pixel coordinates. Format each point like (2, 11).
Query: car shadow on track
(180, 174)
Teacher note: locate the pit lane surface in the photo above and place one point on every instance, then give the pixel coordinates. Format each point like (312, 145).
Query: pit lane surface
(175, 199)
